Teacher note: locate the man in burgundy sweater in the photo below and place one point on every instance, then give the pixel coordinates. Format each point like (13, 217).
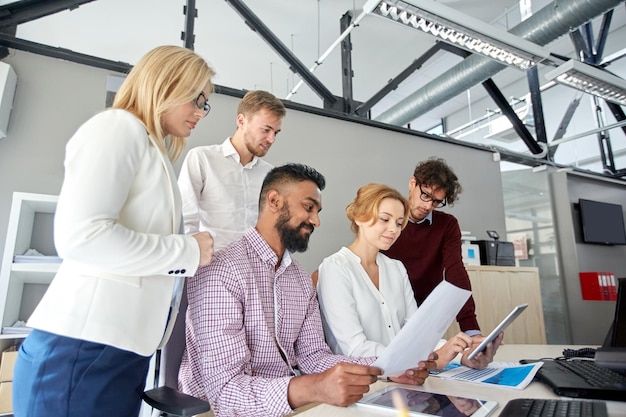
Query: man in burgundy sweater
(430, 244)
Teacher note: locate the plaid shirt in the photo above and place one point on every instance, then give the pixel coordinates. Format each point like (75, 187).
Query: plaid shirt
(240, 310)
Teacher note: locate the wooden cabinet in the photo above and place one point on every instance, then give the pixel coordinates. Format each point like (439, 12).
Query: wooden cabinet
(496, 290)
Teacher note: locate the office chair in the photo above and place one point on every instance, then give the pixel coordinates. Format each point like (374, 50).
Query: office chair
(166, 398)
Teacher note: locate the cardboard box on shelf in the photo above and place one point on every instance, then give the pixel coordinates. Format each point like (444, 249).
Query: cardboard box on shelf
(6, 405)
(7, 363)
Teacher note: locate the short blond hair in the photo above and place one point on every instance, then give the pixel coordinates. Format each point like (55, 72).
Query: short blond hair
(165, 77)
(257, 100)
(367, 201)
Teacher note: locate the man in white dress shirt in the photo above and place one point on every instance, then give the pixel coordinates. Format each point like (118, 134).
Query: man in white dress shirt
(220, 184)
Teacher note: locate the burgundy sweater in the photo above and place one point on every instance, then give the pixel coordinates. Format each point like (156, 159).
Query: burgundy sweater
(426, 250)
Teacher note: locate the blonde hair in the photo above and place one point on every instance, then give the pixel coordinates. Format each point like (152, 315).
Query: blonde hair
(365, 205)
(257, 100)
(165, 77)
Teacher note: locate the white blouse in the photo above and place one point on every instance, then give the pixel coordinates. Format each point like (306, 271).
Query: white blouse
(360, 320)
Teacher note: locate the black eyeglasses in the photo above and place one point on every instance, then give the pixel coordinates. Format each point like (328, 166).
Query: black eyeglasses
(203, 103)
(424, 196)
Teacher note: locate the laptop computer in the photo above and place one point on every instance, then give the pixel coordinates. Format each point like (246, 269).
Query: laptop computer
(603, 378)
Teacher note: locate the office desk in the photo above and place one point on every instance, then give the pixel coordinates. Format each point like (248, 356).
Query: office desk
(506, 353)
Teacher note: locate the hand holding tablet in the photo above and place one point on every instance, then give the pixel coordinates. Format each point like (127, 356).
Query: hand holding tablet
(499, 329)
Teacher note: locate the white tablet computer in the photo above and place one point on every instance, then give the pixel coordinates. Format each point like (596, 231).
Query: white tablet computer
(499, 328)
(420, 403)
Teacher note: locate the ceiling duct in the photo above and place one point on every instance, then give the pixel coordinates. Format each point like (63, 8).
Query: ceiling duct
(543, 27)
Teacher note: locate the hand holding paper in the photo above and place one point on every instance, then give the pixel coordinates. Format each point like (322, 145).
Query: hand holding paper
(420, 335)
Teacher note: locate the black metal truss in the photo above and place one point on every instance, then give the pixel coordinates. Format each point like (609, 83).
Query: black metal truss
(565, 121)
(15, 13)
(347, 74)
(592, 52)
(65, 54)
(532, 74)
(619, 115)
(295, 64)
(519, 127)
(24, 11)
(603, 33)
(187, 36)
(392, 84)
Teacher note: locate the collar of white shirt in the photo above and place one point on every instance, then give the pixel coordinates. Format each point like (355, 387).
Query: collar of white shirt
(228, 150)
(429, 218)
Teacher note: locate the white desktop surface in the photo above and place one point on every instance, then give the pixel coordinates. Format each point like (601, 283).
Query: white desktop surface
(506, 353)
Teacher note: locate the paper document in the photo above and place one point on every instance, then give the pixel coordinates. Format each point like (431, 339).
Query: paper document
(419, 336)
(501, 374)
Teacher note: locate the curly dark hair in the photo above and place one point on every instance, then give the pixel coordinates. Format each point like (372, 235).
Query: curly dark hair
(290, 173)
(435, 173)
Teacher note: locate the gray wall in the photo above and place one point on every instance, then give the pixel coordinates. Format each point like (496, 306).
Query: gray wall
(54, 97)
(588, 320)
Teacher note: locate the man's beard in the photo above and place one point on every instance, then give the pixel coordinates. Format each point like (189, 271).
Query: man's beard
(258, 152)
(290, 237)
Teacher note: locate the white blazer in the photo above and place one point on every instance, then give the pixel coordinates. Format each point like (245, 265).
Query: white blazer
(116, 228)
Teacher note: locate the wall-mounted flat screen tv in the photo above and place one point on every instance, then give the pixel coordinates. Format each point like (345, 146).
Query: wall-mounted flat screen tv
(602, 223)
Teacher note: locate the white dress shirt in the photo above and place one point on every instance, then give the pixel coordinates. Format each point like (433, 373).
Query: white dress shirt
(360, 320)
(219, 194)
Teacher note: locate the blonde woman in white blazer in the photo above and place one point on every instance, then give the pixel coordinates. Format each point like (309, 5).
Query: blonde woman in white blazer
(117, 229)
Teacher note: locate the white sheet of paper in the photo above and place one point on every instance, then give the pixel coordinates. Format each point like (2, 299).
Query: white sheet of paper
(419, 336)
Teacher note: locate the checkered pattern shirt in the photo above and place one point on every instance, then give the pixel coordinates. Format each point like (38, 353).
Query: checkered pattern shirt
(240, 310)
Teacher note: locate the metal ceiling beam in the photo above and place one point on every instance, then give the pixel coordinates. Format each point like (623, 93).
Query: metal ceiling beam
(617, 112)
(392, 84)
(65, 54)
(587, 31)
(510, 114)
(580, 45)
(604, 140)
(544, 26)
(603, 34)
(565, 121)
(25, 11)
(347, 74)
(591, 53)
(187, 36)
(295, 64)
(534, 87)
(619, 115)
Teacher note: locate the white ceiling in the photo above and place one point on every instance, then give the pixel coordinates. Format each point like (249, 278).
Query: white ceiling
(122, 30)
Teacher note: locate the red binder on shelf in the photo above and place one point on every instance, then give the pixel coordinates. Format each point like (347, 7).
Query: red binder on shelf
(598, 286)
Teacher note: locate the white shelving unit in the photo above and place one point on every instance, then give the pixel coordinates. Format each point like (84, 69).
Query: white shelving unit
(25, 232)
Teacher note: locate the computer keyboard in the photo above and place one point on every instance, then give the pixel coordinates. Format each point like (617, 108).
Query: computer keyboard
(594, 374)
(534, 407)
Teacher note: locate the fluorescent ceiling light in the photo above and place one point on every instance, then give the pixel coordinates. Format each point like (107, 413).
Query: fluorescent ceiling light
(461, 30)
(591, 80)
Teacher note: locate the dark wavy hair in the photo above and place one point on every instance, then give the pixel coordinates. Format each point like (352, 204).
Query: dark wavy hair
(435, 173)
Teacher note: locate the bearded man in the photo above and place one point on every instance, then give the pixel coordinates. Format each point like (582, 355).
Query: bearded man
(255, 343)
